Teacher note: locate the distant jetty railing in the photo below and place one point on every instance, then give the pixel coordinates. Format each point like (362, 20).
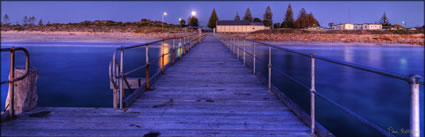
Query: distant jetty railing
(238, 47)
(12, 78)
(118, 77)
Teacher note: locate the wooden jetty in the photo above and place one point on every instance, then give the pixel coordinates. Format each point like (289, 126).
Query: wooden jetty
(207, 93)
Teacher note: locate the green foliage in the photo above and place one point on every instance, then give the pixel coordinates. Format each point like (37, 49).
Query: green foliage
(237, 18)
(276, 25)
(40, 22)
(305, 20)
(248, 15)
(182, 22)
(6, 20)
(288, 22)
(384, 20)
(268, 17)
(257, 20)
(193, 21)
(213, 20)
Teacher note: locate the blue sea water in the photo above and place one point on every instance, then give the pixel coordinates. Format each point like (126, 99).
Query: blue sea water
(76, 75)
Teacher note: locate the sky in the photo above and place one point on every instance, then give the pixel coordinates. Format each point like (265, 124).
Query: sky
(412, 12)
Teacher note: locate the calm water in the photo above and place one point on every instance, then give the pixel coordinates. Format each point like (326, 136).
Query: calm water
(76, 74)
(382, 100)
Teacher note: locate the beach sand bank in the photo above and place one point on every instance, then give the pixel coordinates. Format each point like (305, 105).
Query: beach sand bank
(39, 36)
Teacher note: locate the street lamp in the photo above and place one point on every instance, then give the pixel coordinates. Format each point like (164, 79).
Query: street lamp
(163, 15)
(193, 13)
(180, 20)
(404, 23)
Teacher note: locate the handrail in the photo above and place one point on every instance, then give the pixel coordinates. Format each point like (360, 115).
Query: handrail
(232, 43)
(12, 78)
(117, 75)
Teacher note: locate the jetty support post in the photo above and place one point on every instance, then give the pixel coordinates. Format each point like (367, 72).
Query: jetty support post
(121, 77)
(270, 69)
(253, 59)
(174, 52)
(312, 97)
(162, 56)
(414, 106)
(147, 66)
(12, 83)
(244, 42)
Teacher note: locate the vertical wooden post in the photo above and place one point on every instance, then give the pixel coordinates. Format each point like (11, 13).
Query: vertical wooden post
(244, 52)
(253, 60)
(147, 67)
(174, 52)
(122, 90)
(312, 97)
(162, 56)
(270, 68)
(12, 83)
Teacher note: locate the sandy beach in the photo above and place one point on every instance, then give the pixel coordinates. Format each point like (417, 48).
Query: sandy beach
(374, 39)
(38, 36)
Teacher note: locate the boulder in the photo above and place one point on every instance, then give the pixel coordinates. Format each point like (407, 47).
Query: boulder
(25, 92)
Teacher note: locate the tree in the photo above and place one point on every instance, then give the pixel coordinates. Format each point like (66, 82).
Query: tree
(182, 22)
(237, 18)
(248, 15)
(276, 25)
(257, 20)
(311, 21)
(288, 22)
(213, 20)
(40, 22)
(301, 21)
(331, 25)
(384, 20)
(268, 17)
(193, 21)
(25, 20)
(6, 20)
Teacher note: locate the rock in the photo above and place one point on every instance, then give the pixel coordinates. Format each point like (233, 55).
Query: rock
(25, 92)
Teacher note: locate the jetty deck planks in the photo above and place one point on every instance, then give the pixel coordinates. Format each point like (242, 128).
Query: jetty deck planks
(207, 93)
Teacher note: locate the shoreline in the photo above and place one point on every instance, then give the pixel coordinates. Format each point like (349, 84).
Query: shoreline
(96, 37)
(342, 44)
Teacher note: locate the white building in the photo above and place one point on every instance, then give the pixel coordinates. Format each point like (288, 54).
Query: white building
(365, 26)
(346, 26)
(239, 26)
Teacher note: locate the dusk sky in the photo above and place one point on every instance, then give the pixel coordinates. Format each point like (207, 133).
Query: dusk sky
(331, 11)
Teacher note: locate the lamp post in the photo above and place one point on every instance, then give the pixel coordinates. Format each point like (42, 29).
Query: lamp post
(180, 20)
(404, 23)
(163, 15)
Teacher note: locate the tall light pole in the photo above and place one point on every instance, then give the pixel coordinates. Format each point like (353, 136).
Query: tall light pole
(163, 15)
(193, 15)
(404, 23)
(180, 24)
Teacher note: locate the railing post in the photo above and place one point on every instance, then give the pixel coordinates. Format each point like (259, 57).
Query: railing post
(162, 57)
(253, 60)
(121, 77)
(414, 106)
(237, 45)
(184, 45)
(270, 68)
(180, 48)
(174, 52)
(12, 83)
(147, 67)
(312, 97)
(244, 52)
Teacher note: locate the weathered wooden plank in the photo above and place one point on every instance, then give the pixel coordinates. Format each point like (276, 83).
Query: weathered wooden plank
(141, 132)
(206, 93)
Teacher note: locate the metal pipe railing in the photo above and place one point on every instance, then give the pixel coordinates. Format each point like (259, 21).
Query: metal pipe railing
(118, 76)
(12, 78)
(413, 80)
